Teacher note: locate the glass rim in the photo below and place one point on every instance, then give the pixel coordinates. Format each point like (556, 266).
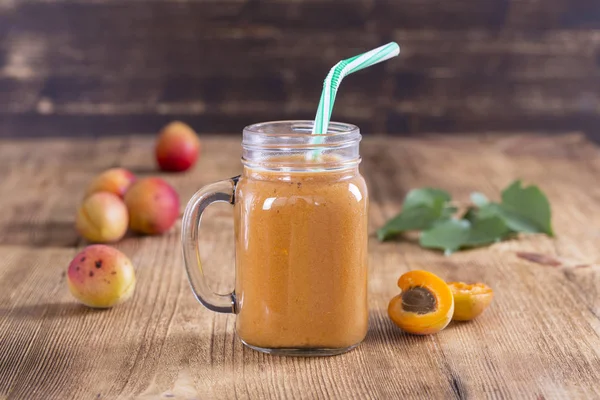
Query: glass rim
(264, 142)
(335, 129)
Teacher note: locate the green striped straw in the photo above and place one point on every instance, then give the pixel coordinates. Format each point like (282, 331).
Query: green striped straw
(338, 72)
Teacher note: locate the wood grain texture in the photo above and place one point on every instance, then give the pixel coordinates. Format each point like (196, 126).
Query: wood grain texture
(540, 338)
(108, 67)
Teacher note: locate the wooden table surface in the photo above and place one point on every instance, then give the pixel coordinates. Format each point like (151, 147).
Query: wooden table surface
(539, 340)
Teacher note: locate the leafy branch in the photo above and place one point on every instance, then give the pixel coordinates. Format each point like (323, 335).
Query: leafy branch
(431, 211)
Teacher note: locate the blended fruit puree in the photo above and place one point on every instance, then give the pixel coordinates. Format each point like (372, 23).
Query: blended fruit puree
(301, 258)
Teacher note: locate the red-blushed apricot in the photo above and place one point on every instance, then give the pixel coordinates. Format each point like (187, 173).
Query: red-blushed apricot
(470, 300)
(425, 304)
(101, 276)
(177, 147)
(114, 180)
(153, 206)
(102, 218)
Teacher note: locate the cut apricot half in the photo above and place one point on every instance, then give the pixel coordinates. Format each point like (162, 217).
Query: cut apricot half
(470, 300)
(425, 304)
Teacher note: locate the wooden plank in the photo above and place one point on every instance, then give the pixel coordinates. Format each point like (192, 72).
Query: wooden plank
(315, 14)
(403, 123)
(404, 91)
(218, 49)
(98, 125)
(69, 94)
(409, 123)
(540, 338)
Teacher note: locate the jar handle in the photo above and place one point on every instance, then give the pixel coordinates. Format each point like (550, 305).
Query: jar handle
(219, 192)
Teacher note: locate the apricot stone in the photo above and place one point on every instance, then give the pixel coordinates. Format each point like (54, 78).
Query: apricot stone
(177, 147)
(114, 180)
(153, 206)
(101, 276)
(102, 218)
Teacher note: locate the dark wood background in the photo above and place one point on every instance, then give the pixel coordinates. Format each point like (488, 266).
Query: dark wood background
(109, 67)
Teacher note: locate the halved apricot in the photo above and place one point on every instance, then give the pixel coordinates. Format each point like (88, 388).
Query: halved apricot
(470, 300)
(425, 304)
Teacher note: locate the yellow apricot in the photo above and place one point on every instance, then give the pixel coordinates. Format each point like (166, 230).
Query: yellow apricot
(102, 218)
(425, 304)
(470, 300)
(101, 276)
(114, 180)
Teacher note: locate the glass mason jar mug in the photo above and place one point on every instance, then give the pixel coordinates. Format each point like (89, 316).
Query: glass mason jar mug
(300, 220)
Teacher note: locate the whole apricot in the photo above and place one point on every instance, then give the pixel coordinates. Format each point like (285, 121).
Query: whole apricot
(177, 147)
(101, 276)
(153, 206)
(470, 300)
(114, 180)
(425, 304)
(102, 218)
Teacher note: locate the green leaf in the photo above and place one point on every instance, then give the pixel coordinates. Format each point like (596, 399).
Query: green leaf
(448, 212)
(412, 219)
(449, 235)
(421, 209)
(479, 199)
(425, 196)
(486, 230)
(471, 214)
(526, 209)
(452, 235)
(489, 210)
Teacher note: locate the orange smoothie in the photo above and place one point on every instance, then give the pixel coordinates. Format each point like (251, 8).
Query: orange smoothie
(301, 258)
